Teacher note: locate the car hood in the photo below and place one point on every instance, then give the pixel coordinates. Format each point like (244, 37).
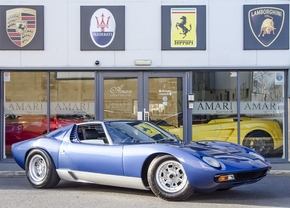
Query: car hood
(229, 153)
(216, 147)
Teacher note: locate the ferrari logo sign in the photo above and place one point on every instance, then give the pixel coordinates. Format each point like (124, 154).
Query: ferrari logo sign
(183, 27)
(21, 25)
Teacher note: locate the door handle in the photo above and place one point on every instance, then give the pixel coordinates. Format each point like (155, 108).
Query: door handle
(146, 115)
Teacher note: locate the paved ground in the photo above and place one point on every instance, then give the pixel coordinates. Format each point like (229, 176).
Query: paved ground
(9, 168)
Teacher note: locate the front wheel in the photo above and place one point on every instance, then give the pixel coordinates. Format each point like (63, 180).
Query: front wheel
(167, 179)
(40, 170)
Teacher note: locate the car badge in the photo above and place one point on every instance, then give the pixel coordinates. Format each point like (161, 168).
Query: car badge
(183, 27)
(102, 28)
(21, 25)
(266, 24)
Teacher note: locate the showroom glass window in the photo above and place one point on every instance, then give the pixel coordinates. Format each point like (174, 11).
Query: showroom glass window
(71, 98)
(120, 98)
(24, 105)
(262, 103)
(214, 116)
(165, 103)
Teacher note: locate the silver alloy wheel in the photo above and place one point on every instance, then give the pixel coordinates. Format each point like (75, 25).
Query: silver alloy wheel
(37, 169)
(171, 177)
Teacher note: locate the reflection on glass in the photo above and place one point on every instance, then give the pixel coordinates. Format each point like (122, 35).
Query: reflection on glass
(165, 103)
(72, 98)
(264, 110)
(120, 98)
(24, 103)
(214, 116)
(261, 109)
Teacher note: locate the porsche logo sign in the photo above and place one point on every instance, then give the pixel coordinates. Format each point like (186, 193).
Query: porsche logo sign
(21, 25)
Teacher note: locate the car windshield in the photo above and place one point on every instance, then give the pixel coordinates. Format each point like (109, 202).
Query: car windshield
(138, 131)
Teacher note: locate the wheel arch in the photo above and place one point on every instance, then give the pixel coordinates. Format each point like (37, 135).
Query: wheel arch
(265, 145)
(263, 131)
(258, 131)
(274, 131)
(147, 163)
(38, 148)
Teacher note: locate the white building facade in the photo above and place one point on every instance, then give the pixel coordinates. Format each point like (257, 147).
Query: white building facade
(189, 66)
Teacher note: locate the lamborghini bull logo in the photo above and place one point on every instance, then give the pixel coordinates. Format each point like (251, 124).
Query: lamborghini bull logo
(266, 24)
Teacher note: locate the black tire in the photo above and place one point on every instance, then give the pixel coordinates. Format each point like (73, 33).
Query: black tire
(260, 141)
(40, 170)
(169, 185)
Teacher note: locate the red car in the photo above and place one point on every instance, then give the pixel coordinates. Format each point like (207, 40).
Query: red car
(13, 129)
(63, 120)
(38, 128)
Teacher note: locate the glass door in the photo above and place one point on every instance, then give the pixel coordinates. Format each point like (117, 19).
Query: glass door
(165, 100)
(157, 97)
(119, 95)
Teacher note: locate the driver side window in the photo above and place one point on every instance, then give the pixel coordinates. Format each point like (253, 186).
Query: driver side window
(92, 134)
(116, 135)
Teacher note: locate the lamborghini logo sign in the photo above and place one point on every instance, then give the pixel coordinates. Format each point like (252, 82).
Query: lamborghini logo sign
(266, 23)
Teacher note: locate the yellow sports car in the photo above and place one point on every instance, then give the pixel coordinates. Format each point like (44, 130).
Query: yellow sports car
(264, 136)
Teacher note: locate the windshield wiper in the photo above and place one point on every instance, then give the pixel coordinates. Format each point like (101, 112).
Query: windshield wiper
(165, 139)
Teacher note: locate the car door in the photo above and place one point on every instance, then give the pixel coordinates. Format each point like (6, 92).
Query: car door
(96, 158)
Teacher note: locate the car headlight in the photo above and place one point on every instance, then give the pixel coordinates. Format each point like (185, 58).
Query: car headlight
(260, 157)
(211, 161)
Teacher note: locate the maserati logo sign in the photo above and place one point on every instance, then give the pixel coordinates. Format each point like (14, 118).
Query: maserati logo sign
(266, 24)
(21, 25)
(102, 27)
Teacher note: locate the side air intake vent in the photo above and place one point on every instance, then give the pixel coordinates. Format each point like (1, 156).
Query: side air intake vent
(74, 134)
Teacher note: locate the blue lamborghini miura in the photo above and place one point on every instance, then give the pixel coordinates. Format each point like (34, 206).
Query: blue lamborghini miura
(137, 154)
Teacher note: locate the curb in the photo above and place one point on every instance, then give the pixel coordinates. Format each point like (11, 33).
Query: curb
(22, 173)
(12, 174)
(279, 172)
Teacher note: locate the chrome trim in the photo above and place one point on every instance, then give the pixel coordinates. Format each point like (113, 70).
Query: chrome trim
(101, 179)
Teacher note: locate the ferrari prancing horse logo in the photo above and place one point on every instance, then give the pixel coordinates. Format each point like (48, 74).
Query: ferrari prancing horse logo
(21, 25)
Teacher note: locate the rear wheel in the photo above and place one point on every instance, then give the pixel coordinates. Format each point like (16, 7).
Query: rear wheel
(259, 141)
(167, 179)
(40, 170)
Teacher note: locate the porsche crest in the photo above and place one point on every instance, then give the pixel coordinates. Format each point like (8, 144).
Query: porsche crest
(21, 25)
(266, 23)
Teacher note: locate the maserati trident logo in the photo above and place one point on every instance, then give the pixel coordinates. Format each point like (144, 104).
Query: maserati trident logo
(21, 25)
(102, 27)
(266, 23)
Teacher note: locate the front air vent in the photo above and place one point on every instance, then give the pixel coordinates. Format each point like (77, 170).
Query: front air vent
(250, 175)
